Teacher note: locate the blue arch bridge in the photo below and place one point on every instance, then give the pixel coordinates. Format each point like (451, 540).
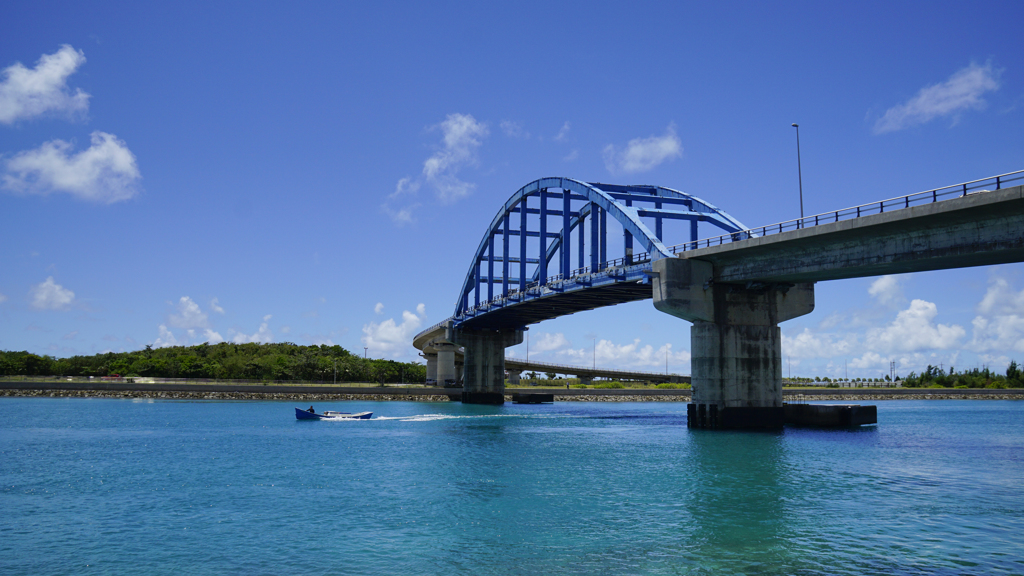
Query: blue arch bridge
(560, 246)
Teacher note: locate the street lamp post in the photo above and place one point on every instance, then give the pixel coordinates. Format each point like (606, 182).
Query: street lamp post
(364, 352)
(799, 171)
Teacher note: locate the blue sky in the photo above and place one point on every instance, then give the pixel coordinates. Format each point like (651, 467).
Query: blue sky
(323, 172)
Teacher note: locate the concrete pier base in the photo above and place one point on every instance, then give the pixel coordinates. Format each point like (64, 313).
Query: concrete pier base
(484, 369)
(532, 398)
(830, 415)
(710, 417)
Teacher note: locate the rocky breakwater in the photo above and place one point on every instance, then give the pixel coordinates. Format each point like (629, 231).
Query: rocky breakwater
(182, 395)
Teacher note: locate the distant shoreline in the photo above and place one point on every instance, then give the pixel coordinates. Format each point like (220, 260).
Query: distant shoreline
(320, 393)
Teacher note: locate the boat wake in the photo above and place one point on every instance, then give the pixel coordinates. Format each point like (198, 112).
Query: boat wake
(434, 417)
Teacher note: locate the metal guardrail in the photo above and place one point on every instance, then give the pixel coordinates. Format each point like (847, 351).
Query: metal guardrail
(916, 199)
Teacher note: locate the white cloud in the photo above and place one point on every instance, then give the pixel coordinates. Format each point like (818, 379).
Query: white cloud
(887, 290)
(212, 337)
(462, 138)
(999, 325)
(26, 93)
(215, 306)
(3, 298)
(913, 330)
(807, 344)
(379, 308)
(548, 342)
(262, 336)
(105, 172)
(51, 296)
(389, 338)
(165, 339)
(563, 131)
(514, 129)
(631, 355)
(189, 315)
(70, 335)
(962, 91)
(571, 156)
(643, 154)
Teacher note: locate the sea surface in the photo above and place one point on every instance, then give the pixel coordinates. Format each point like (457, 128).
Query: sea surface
(105, 486)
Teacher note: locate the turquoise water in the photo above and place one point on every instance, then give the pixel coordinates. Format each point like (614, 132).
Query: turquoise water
(205, 487)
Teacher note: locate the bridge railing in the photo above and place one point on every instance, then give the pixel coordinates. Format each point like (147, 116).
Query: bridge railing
(916, 199)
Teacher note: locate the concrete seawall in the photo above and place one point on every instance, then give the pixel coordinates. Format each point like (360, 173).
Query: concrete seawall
(433, 394)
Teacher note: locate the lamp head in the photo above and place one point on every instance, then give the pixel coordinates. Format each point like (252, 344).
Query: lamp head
(796, 125)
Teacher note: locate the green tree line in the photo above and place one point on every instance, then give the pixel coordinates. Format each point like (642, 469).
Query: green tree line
(253, 361)
(936, 377)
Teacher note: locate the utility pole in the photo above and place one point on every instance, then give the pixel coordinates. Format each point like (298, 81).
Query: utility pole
(799, 172)
(364, 352)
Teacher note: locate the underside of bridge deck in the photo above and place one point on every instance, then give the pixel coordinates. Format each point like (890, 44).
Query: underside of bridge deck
(514, 315)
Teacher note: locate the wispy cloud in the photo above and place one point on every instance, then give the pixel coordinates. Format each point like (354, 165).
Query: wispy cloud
(263, 335)
(643, 154)
(406, 187)
(514, 130)
(962, 91)
(26, 93)
(462, 137)
(49, 295)
(104, 172)
(3, 298)
(563, 131)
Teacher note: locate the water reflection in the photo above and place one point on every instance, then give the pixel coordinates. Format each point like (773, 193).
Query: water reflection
(737, 502)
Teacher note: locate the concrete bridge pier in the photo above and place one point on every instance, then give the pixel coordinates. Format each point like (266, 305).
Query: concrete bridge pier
(736, 343)
(446, 374)
(515, 377)
(484, 366)
(431, 359)
(586, 380)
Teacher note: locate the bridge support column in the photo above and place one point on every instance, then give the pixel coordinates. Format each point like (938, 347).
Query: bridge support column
(485, 363)
(431, 367)
(586, 380)
(736, 343)
(515, 377)
(446, 375)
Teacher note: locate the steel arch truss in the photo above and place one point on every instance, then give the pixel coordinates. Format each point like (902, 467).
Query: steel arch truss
(532, 270)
